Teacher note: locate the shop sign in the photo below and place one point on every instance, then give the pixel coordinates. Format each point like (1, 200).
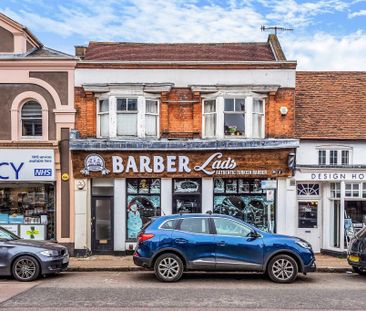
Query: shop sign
(268, 184)
(172, 164)
(27, 165)
(336, 176)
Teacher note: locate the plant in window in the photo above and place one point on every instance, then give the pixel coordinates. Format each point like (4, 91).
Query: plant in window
(232, 129)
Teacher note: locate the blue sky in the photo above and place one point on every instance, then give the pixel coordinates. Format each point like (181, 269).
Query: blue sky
(328, 34)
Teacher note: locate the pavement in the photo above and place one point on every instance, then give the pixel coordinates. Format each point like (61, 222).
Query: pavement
(125, 263)
(196, 291)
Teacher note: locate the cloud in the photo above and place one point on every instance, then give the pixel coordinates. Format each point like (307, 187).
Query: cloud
(356, 14)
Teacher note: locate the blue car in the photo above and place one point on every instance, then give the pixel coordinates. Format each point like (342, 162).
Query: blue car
(173, 244)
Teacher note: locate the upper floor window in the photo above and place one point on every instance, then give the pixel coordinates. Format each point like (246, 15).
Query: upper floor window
(336, 156)
(128, 117)
(209, 118)
(31, 119)
(233, 117)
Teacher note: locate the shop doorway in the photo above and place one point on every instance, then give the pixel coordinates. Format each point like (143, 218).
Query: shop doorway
(102, 224)
(187, 196)
(309, 223)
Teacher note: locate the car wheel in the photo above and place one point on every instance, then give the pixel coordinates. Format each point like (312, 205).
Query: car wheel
(26, 269)
(282, 269)
(168, 268)
(359, 271)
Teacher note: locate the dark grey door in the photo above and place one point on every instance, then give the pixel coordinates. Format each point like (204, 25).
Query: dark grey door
(102, 224)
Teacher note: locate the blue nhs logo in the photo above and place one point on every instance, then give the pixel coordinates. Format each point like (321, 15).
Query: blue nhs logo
(42, 172)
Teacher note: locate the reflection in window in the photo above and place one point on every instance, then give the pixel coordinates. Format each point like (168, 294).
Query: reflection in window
(229, 227)
(143, 202)
(195, 225)
(308, 214)
(127, 117)
(234, 116)
(31, 118)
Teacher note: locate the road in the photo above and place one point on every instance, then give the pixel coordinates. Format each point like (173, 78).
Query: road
(141, 291)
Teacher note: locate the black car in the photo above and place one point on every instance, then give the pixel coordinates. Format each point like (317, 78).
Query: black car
(26, 260)
(357, 252)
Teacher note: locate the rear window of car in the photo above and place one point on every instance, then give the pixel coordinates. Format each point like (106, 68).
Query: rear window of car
(170, 224)
(195, 225)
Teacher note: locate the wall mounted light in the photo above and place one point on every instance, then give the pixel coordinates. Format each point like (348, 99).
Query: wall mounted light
(283, 110)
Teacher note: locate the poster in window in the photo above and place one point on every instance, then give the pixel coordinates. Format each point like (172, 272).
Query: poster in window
(140, 209)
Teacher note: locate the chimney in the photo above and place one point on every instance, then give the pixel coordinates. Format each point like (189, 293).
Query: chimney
(80, 51)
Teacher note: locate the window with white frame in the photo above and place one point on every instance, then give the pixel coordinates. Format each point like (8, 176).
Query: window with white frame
(151, 118)
(308, 189)
(334, 156)
(209, 118)
(258, 118)
(352, 190)
(31, 119)
(103, 117)
(126, 116)
(234, 116)
(335, 190)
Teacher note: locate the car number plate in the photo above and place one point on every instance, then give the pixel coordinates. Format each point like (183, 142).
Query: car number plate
(354, 258)
(65, 259)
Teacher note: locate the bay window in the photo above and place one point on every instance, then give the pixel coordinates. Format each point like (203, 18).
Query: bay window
(234, 116)
(209, 118)
(103, 116)
(126, 116)
(151, 117)
(258, 118)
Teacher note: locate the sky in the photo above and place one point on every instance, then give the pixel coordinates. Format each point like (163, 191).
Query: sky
(327, 34)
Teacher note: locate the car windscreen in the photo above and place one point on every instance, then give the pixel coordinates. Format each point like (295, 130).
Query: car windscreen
(361, 234)
(7, 235)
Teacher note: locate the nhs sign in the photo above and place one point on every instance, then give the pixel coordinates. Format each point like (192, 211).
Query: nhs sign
(27, 165)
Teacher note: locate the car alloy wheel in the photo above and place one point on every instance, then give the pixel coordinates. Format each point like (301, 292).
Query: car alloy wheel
(168, 268)
(282, 269)
(26, 269)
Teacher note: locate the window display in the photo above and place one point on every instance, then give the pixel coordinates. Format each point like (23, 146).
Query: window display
(244, 199)
(33, 204)
(186, 196)
(143, 202)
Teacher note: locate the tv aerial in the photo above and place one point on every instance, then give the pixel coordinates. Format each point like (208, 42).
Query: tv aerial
(275, 29)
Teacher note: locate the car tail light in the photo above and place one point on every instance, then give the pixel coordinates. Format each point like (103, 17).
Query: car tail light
(144, 237)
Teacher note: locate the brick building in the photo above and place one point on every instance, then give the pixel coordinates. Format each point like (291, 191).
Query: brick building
(37, 113)
(179, 128)
(326, 199)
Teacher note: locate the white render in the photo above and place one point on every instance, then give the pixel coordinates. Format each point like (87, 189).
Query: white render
(184, 78)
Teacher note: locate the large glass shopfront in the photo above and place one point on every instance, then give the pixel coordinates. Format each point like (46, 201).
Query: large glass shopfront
(28, 210)
(246, 200)
(143, 202)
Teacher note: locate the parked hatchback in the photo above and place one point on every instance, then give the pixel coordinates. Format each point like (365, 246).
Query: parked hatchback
(357, 252)
(173, 244)
(26, 260)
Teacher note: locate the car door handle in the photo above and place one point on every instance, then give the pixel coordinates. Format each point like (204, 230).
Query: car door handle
(221, 243)
(181, 241)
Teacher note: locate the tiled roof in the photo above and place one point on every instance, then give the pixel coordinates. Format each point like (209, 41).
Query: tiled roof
(45, 52)
(109, 51)
(331, 105)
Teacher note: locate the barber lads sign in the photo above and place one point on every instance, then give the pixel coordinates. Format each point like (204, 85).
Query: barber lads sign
(216, 163)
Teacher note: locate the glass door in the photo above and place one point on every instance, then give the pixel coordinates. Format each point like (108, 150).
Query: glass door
(187, 196)
(102, 224)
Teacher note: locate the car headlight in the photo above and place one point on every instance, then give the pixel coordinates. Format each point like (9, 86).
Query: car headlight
(303, 244)
(50, 253)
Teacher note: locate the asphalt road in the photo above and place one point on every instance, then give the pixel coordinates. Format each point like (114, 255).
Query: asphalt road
(141, 291)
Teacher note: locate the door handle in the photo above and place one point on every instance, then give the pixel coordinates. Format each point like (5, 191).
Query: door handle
(181, 241)
(221, 243)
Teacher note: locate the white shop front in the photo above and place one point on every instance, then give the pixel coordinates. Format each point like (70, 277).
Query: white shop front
(27, 192)
(330, 206)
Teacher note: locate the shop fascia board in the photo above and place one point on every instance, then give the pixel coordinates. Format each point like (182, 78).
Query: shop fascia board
(144, 87)
(91, 144)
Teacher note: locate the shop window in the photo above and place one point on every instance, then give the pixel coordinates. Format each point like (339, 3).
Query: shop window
(209, 118)
(355, 217)
(186, 196)
(103, 116)
(31, 118)
(228, 227)
(28, 210)
(308, 189)
(152, 118)
(127, 117)
(195, 225)
(352, 190)
(234, 116)
(143, 202)
(335, 190)
(322, 158)
(245, 200)
(308, 214)
(258, 118)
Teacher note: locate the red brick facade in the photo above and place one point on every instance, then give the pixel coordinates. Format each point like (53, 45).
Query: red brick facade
(181, 114)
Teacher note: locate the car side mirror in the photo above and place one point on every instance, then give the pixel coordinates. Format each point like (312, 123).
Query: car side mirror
(254, 234)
